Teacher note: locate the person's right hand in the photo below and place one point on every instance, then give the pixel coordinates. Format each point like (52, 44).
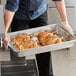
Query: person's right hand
(6, 40)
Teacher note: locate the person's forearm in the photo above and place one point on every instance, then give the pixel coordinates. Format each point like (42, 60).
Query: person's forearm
(60, 5)
(8, 17)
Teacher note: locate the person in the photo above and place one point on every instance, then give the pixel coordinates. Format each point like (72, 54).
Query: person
(24, 14)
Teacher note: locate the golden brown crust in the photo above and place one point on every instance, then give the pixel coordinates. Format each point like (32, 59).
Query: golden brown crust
(48, 37)
(24, 41)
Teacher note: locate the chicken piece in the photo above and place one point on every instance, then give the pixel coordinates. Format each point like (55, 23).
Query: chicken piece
(44, 34)
(25, 36)
(59, 40)
(24, 41)
(53, 40)
(21, 37)
(17, 40)
(27, 45)
(48, 37)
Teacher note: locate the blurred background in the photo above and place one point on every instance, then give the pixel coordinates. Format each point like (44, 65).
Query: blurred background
(53, 16)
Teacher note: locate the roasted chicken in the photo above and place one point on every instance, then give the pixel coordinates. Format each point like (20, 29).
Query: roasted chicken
(48, 37)
(24, 41)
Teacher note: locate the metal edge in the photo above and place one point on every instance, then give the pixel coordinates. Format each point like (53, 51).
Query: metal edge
(42, 27)
(62, 26)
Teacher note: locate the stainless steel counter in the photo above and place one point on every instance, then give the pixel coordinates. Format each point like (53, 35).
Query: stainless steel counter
(64, 62)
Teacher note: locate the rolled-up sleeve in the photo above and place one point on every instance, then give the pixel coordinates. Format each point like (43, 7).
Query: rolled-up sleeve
(12, 5)
(56, 0)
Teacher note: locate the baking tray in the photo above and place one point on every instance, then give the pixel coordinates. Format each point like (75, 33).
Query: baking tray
(59, 29)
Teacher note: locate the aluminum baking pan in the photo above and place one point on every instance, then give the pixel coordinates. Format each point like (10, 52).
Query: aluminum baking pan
(60, 30)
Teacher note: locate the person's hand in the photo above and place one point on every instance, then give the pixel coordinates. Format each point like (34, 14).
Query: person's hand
(6, 40)
(68, 27)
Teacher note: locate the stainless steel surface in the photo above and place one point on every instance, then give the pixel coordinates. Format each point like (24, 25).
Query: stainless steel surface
(1, 42)
(41, 49)
(18, 68)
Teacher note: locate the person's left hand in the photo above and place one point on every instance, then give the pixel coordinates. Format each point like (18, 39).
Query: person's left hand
(68, 27)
